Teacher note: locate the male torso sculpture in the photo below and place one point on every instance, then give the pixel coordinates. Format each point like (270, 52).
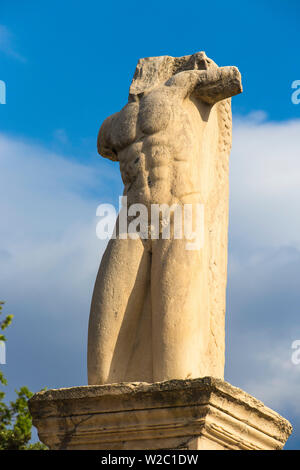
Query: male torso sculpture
(158, 309)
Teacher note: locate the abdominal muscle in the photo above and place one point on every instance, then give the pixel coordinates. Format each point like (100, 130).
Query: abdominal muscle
(154, 172)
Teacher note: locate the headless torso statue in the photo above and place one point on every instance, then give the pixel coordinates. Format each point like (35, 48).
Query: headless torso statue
(158, 309)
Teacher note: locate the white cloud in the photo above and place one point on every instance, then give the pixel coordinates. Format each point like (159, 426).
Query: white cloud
(49, 256)
(7, 44)
(281, 382)
(265, 189)
(264, 262)
(48, 215)
(61, 136)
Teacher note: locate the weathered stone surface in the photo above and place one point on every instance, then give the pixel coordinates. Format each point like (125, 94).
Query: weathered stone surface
(205, 413)
(158, 309)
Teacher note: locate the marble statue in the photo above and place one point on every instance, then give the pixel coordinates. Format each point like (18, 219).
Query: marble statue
(158, 309)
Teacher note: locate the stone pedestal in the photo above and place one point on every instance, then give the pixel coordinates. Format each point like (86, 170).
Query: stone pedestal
(205, 413)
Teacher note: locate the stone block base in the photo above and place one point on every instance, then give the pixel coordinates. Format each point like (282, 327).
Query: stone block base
(205, 413)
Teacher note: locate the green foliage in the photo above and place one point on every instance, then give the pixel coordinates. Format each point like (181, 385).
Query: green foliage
(15, 419)
(3, 325)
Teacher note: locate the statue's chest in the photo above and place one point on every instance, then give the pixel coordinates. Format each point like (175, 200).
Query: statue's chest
(152, 114)
(155, 111)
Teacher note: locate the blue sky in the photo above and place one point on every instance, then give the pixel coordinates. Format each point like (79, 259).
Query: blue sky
(68, 65)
